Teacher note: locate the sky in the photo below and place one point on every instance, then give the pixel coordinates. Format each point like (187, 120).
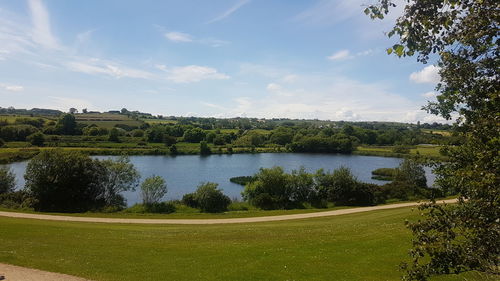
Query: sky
(322, 59)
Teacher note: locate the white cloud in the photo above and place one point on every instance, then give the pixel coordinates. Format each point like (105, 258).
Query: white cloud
(194, 73)
(273, 87)
(97, 66)
(428, 75)
(340, 55)
(42, 33)
(178, 37)
(229, 11)
(11, 88)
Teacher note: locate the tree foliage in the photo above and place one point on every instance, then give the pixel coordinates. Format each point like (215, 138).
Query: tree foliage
(464, 36)
(153, 189)
(119, 175)
(65, 181)
(7, 180)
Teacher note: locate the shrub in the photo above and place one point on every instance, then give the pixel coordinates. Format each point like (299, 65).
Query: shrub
(153, 189)
(160, 207)
(210, 199)
(401, 149)
(204, 149)
(190, 200)
(37, 139)
(2, 142)
(7, 180)
(17, 200)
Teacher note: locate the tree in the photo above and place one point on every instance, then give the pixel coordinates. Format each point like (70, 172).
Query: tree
(73, 110)
(65, 181)
(210, 199)
(114, 135)
(37, 139)
(153, 189)
(66, 124)
(464, 35)
(7, 180)
(119, 175)
(84, 110)
(411, 173)
(123, 111)
(194, 135)
(204, 149)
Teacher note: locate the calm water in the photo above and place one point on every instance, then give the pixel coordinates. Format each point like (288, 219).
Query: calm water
(184, 173)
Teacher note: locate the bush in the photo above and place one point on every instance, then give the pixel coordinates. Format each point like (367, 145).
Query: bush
(2, 142)
(153, 189)
(190, 200)
(119, 175)
(17, 200)
(37, 139)
(210, 199)
(401, 149)
(160, 207)
(7, 180)
(204, 149)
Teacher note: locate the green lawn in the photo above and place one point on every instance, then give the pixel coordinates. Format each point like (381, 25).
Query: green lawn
(366, 247)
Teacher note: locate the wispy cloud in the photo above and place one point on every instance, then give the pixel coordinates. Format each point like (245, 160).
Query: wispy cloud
(42, 33)
(178, 37)
(340, 55)
(97, 66)
(346, 54)
(229, 11)
(11, 88)
(428, 75)
(194, 73)
(182, 37)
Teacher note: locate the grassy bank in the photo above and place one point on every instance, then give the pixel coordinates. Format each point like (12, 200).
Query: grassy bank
(20, 151)
(366, 246)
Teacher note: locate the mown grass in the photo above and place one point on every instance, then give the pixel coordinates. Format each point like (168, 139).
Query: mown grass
(367, 247)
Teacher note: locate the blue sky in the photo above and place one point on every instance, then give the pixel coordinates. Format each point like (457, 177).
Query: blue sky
(224, 58)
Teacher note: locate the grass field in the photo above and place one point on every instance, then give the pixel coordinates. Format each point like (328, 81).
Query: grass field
(365, 247)
(431, 151)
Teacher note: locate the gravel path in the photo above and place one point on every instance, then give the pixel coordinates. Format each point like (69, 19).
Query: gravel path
(213, 221)
(18, 273)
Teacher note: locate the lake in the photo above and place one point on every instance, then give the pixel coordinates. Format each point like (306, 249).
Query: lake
(184, 173)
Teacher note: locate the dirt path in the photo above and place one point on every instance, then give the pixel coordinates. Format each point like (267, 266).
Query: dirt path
(17, 273)
(213, 221)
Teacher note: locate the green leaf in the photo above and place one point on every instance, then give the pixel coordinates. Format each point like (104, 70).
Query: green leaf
(398, 49)
(367, 11)
(389, 51)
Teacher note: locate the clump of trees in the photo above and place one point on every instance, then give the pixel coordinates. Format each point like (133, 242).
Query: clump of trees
(273, 188)
(68, 181)
(208, 198)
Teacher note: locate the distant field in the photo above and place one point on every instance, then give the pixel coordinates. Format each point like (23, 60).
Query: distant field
(106, 120)
(158, 121)
(357, 247)
(423, 150)
(438, 132)
(12, 118)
